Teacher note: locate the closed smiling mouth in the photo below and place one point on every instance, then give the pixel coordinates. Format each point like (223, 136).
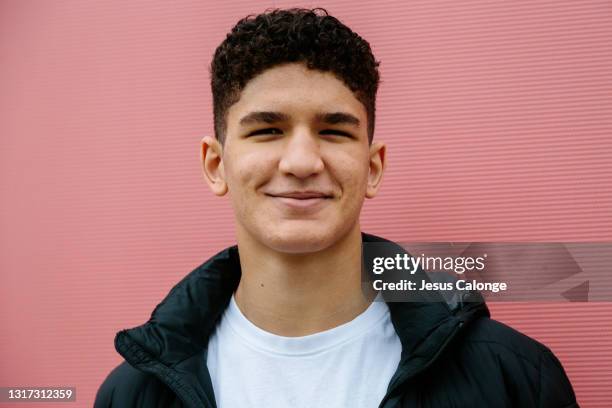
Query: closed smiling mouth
(301, 201)
(300, 195)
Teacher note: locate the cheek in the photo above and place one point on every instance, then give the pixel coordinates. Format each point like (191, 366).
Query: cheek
(247, 171)
(244, 170)
(240, 183)
(351, 171)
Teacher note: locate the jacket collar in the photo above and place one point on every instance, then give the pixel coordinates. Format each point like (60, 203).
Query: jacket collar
(172, 344)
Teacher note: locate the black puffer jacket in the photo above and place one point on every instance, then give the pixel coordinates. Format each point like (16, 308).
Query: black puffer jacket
(451, 357)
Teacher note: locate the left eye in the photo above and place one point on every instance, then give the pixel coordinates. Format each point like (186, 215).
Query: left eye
(335, 132)
(266, 131)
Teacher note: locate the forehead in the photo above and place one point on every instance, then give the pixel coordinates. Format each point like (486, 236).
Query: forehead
(297, 91)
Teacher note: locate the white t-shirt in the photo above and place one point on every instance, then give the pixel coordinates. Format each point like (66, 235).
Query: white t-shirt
(347, 366)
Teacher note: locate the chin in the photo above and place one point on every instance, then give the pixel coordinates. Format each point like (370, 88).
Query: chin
(298, 247)
(303, 240)
(300, 244)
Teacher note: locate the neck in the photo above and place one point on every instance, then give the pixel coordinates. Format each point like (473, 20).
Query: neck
(301, 294)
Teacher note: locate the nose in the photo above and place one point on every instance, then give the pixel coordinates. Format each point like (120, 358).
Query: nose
(301, 155)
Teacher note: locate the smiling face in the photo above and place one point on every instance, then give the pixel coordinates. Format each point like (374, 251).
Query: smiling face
(296, 160)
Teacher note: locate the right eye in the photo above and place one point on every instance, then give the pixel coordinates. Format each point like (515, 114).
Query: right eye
(266, 131)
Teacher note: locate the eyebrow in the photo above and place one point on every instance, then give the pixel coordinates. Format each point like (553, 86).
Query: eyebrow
(338, 118)
(269, 117)
(263, 116)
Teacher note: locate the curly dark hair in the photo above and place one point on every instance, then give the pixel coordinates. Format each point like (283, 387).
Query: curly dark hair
(313, 37)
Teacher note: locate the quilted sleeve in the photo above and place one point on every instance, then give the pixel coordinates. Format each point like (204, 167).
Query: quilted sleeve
(555, 388)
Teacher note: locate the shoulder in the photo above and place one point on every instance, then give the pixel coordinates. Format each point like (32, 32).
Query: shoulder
(127, 386)
(503, 339)
(525, 363)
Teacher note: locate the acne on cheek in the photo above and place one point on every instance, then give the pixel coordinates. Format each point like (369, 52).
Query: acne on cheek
(356, 164)
(252, 170)
(245, 163)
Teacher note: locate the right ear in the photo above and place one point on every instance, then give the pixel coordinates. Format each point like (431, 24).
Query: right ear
(211, 155)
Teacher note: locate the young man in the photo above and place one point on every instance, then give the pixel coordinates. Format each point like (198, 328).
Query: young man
(280, 319)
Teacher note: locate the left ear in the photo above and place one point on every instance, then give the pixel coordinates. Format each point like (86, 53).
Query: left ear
(377, 168)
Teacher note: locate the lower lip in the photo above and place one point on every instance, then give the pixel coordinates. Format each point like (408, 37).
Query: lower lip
(302, 204)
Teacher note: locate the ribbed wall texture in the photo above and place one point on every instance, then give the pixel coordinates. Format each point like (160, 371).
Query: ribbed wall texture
(498, 117)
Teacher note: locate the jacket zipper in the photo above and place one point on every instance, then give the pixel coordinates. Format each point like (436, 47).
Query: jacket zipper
(403, 378)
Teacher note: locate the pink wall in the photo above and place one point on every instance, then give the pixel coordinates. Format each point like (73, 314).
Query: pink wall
(498, 116)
